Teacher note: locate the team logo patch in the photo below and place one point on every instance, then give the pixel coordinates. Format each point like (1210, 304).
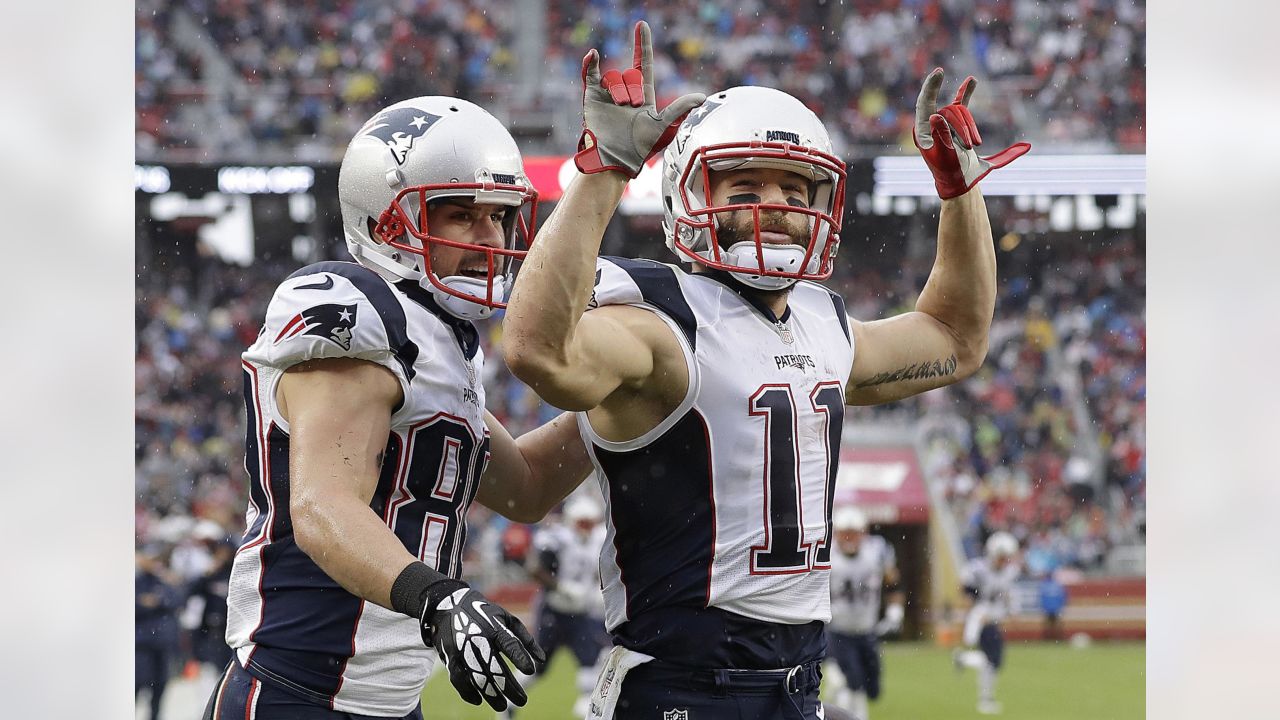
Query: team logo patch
(676, 714)
(331, 322)
(399, 128)
(695, 118)
(593, 302)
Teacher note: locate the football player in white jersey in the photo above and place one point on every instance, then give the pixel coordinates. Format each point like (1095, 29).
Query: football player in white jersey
(566, 562)
(368, 439)
(712, 401)
(862, 566)
(989, 581)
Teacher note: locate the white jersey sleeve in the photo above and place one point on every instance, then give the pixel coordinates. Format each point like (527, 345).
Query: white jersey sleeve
(614, 285)
(325, 311)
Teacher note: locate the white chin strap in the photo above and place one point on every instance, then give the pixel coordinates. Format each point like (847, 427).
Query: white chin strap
(473, 287)
(778, 258)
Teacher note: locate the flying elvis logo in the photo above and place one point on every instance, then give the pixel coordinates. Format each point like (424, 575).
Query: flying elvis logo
(330, 322)
(398, 128)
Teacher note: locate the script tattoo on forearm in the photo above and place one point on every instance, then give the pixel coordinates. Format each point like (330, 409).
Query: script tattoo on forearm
(914, 371)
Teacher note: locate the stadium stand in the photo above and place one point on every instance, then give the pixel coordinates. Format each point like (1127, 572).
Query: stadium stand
(230, 79)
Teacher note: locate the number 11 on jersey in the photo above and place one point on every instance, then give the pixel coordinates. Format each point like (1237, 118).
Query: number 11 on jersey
(785, 549)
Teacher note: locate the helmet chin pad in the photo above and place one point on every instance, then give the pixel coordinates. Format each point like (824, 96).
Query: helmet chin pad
(478, 308)
(777, 258)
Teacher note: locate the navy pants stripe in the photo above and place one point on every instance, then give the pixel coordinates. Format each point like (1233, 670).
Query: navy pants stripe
(991, 642)
(241, 696)
(858, 657)
(584, 635)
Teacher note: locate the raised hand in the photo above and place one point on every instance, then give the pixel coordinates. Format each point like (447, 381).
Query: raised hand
(947, 138)
(621, 125)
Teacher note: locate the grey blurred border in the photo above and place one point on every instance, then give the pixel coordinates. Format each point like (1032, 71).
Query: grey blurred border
(66, 321)
(1214, 499)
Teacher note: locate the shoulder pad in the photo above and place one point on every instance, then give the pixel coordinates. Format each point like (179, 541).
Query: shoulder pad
(822, 297)
(626, 281)
(334, 310)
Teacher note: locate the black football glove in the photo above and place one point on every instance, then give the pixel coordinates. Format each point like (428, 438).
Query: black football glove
(470, 633)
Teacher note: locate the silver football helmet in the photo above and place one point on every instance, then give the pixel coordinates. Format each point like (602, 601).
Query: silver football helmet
(849, 517)
(745, 127)
(416, 151)
(1001, 545)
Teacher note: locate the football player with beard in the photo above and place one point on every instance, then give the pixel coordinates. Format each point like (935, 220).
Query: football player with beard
(368, 439)
(712, 400)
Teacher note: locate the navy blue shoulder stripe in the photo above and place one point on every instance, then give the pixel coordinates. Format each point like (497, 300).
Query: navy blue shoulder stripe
(384, 302)
(660, 288)
(843, 316)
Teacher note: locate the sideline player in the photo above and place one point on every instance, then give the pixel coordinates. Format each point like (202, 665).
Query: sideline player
(862, 565)
(712, 401)
(368, 439)
(566, 562)
(989, 581)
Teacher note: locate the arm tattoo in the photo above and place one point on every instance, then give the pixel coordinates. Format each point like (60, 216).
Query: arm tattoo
(914, 371)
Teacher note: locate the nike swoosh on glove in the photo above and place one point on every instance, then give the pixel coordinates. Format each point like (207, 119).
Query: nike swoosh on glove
(947, 137)
(621, 125)
(470, 634)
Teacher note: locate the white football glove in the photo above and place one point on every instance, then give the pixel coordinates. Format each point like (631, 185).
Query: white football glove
(892, 620)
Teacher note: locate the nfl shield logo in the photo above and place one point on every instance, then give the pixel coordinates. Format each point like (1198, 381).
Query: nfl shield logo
(677, 714)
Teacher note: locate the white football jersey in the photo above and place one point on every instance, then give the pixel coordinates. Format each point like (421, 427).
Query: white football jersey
(995, 587)
(288, 621)
(856, 582)
(577, 561)
(727, 502)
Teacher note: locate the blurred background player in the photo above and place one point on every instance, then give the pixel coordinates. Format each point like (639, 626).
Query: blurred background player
(155, 623)
(368, 438)
(989, 581)
(207, 601)
(862, 566)
(566, 563)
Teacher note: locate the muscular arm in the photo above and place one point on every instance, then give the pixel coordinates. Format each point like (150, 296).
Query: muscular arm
(339, 413)
(573, 361)
(945, 339)
(526, 477)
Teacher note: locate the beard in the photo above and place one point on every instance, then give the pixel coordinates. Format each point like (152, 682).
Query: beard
(737, 226)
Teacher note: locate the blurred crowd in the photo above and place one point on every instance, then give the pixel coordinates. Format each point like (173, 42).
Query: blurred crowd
(233, 79)
(1047, 441)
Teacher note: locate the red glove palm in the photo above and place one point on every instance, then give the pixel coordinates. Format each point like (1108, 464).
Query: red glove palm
(947, 138)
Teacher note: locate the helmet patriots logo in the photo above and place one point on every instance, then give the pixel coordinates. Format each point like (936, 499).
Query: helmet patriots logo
(331, 322)
(695, 118)
(398, 128)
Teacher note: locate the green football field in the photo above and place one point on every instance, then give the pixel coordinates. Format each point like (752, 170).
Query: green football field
(1040, 681)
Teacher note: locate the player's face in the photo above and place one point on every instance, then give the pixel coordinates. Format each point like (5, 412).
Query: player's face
(849, 541)
(761, 185)
(463, 220)
(585, 526)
